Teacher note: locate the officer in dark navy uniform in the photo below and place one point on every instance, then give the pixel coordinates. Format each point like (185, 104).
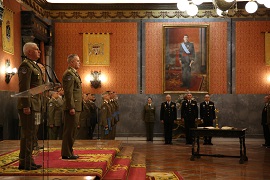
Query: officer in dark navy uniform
(208, 115)
(189, 114)
(168, 114)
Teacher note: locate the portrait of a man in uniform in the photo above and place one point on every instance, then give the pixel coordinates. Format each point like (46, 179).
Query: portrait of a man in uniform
(185, 60)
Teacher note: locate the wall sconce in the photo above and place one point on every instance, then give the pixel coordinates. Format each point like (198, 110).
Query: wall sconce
(9, 71)
(95, 79)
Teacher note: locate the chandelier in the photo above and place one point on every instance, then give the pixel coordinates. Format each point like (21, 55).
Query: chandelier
(221, 6)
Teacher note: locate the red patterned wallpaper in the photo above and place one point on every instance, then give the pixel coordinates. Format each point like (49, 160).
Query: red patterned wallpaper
(251, 71)
(122, 72)
(15, 59)
(217, 54)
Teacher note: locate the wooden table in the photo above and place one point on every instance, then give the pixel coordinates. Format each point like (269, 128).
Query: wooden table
(233, 133)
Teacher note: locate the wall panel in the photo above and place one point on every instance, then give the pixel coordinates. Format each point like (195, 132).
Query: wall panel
(122, 72)
(217, 54)
(251, 70)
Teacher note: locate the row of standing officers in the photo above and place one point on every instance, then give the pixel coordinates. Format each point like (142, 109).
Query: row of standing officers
(189, 115)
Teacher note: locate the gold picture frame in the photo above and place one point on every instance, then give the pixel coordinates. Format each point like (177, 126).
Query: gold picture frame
(186, 58)
(7, 31)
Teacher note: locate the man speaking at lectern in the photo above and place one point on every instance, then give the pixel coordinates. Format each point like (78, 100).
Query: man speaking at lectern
(29, 108)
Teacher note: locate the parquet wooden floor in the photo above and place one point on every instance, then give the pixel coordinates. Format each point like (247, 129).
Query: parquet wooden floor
(176, 157)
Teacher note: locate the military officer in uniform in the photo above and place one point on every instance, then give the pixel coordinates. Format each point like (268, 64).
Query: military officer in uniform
(149, 112)
(189, 114)
(72, 105)
(92, 120)
(55, 115)
(208, 115)
(168, 115)
(84, 118)
(187, 56)
(113, 111)
(105, 117)
(266, 122)
(116, 111)
(29, 108)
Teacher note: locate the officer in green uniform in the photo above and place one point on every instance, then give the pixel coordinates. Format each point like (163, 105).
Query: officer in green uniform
(113, 120)
(92, 120)
(72, 105)
(149, 118)
(115, 105)
(82, 127)
(55, 115)
(29, 108)
(105, 117)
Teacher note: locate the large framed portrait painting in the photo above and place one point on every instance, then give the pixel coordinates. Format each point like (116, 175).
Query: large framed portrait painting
(185, 58)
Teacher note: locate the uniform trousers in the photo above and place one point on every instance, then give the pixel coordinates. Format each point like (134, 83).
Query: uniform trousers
(207, 122)
(266, 133)
(27, 138)
(189, 123)
(54, 132)
(149, 130)
(92, 127)
(168, 126)
(69, 132)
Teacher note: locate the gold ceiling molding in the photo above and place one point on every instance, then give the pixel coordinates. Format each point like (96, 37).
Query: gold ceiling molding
(40, 7)
(156, 14)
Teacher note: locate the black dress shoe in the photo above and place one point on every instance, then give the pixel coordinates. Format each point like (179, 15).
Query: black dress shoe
(27, 168)
(76, 156)
(70, 157)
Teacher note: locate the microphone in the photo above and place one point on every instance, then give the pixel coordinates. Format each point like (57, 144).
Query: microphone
(54, 74)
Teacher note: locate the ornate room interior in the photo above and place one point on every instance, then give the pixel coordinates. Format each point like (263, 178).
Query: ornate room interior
(230, 38)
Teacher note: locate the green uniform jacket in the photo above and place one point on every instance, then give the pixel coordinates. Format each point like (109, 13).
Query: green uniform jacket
(84, 115)
(149, 113)
(116, 111)
(105, 113)
(30, 76)
(55, 112)
(112, 105)
(72, 89)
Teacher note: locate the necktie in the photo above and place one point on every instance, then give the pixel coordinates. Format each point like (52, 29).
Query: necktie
(189, 101)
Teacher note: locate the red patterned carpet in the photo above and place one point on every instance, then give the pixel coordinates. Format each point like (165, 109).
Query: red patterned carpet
(92, 162)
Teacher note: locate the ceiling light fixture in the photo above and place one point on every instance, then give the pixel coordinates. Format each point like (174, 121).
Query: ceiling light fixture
(251, 7)
(267, 3)
(192, 10)
(182, 5)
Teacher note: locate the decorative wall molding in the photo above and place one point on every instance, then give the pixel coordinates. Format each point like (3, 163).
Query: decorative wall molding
(155, 14)
(131, 11)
